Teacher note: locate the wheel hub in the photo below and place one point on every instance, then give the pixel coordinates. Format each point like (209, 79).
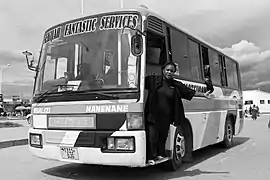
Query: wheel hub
(180, 146)
(229, 132)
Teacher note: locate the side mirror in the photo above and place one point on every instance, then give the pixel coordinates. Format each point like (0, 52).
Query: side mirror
(31, 63)
(136, 45)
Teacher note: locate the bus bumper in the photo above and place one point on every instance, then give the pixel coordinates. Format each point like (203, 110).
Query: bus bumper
(89, 155)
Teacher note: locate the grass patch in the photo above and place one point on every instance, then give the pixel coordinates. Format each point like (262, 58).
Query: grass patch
(9, 125)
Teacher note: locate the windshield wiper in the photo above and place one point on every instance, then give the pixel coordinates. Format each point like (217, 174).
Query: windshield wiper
(113, 96)
(106, 95)
(42, 96)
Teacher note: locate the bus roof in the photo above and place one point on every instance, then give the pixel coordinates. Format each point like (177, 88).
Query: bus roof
(146, 12)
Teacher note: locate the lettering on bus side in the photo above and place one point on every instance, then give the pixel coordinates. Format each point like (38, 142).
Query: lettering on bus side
(87, 25)
(106, 108)
(197, 88)
(42, 110)
(105, 23)
(118, 22)
(52, 34)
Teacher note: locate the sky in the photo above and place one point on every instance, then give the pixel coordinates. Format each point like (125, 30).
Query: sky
(238, 28)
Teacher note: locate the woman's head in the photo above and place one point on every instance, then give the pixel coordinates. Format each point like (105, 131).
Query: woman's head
(168, 70)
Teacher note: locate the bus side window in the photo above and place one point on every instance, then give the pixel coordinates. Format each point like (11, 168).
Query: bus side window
(195, 60)
(214, 67)
(222, 67)
(206, 69)
(179, 52)
(206, 65)
(232, 75)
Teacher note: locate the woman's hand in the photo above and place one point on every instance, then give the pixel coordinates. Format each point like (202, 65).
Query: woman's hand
(208, 95)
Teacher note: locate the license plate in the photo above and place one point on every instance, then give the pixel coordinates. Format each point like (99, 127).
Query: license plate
(69, 153)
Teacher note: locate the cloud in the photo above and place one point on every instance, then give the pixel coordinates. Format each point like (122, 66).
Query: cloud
(247, 53)
(17, 90)
(253, 62)
(17, 73)
(221, 23)
(10, 57)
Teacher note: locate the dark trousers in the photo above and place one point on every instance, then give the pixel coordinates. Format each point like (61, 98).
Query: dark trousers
(156, 140)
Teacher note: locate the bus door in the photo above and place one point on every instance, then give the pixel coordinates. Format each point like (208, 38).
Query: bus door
(155, 53)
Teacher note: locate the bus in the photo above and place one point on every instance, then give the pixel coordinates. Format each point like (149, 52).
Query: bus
(89, 94)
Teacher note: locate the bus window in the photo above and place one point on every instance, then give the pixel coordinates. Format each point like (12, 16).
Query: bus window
(206, 69)
(214, 66)
(232, 74)
(222, 67)
(206, 66)
(49, 68)
(180, 52)
(248, 102)
(61, 68)
(155, 53)
(194, 58)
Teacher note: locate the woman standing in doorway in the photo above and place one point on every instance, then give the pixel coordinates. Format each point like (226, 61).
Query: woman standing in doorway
(164, 107)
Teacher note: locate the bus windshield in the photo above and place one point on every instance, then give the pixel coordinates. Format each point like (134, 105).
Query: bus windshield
(89, 55)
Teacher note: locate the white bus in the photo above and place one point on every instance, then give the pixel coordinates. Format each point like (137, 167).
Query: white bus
(89, 92)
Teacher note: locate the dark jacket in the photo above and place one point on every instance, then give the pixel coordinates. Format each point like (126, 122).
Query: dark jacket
(152, 83)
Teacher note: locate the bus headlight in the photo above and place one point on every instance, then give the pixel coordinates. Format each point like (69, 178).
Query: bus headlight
(124, 144)
(120, 144)
(134, 121)
(36, 140)
(110, 143)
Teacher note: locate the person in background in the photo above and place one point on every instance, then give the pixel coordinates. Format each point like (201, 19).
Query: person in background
(254, 113)
(250, 110)
(258, 110)
(164, 107)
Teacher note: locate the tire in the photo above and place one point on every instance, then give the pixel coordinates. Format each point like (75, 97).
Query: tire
(228, 134)
(179, 151)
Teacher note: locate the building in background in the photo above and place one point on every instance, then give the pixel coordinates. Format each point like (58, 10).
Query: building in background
(258, 98)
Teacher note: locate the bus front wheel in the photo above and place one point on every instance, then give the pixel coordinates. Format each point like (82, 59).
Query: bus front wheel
(179, 150)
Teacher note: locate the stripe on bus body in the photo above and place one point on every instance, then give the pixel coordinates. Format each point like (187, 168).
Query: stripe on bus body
(202, 104)
(207, 127)
(61, 138)
(212, 127)
(70, 138)
(76, 138)
(88, 108)
(196, 104)
(54, 136)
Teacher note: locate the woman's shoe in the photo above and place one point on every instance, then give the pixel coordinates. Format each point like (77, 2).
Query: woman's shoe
(151, 162)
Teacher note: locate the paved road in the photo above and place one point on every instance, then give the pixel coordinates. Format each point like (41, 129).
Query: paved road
(249, 159)
(14, 133)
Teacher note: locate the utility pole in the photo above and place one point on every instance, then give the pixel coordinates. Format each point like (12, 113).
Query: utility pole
(82, 6)
(1, 75)
(121, 4)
